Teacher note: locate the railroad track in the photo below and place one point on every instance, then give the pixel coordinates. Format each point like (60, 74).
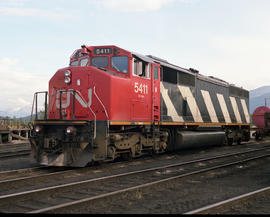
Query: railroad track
(218, 207)
(15, 153)
(64, 190)
(9, 146)
(29, 173)
(14, 150)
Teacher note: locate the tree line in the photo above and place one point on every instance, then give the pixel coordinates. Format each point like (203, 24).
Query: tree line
(13, 122)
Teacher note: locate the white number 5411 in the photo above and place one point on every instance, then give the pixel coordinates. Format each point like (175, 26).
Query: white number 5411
(140, 88)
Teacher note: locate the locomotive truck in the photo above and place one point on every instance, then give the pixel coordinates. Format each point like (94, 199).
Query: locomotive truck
(112, 103)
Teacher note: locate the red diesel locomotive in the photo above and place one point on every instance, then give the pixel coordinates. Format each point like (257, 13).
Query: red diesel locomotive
(112, 103)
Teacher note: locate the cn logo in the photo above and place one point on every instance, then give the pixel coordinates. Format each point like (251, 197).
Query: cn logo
(77, 97)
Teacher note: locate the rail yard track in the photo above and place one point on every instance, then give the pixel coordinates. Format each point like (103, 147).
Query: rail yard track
(59, 191)
(14, 150)
(14, 146)
(228, 203)
(9, 154)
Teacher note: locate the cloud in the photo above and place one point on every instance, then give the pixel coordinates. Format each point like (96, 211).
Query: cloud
(246, 57)
(33, 12)
(17, 87)
(13, 3)
(134, 5)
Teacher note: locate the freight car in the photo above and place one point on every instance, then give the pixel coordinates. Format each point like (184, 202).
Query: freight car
(110, 103)
(261, 119)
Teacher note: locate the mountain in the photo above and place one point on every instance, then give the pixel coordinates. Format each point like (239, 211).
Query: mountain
(18, 113)
(4, 114)
(257, 96)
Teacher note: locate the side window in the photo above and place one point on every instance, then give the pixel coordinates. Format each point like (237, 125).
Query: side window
(156, 72)
(141, 68)
(137, 67)
(74, 63)
(84, 62)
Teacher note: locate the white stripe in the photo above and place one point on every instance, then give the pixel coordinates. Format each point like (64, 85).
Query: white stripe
(244, 105)
(186, 93)
(224, 108)
(170, 108)
(209, 106)
(235, 109)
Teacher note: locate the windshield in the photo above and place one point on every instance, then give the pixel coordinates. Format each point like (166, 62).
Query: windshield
(100, 62)
(120, 63)
(74, 63)
(84, 61)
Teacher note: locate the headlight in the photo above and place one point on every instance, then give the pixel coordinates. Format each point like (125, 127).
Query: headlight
(38, 129)
(70, 130)
(67, 80)
(67, 73)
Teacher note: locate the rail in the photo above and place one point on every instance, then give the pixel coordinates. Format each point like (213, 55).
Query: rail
(95, 123)
(74, 92)
(60, 104)
(35, 104)
(101, 104)
(144, 178)
(228, 202)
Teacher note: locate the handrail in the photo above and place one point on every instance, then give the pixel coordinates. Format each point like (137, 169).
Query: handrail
(89, 109)
(60, 104)
(101, 104)
(34, 104)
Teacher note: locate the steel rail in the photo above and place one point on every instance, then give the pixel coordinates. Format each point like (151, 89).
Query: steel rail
(80, 201)
(8, 181)
(209, 208)
(7, 172)
(9, 154)
(130, 173)
(134, 172)
(112, 176)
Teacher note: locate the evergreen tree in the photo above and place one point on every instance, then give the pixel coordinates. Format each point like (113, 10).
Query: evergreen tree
(14, 122)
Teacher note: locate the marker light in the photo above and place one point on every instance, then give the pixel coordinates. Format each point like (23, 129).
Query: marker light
(70, 130)
(38, 129)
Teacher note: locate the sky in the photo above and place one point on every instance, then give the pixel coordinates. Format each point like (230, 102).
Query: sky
(227, 39)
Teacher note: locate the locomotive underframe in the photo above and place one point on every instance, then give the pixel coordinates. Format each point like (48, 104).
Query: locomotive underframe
(54, 146)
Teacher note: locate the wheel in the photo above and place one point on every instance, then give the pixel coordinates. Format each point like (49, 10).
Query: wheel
(230, 141)
(127, 156)
(239, 141)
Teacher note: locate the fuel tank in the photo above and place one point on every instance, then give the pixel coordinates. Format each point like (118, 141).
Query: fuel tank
(195, 139)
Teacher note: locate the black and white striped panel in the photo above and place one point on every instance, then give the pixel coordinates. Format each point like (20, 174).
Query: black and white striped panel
(171, 110)
(204, 104)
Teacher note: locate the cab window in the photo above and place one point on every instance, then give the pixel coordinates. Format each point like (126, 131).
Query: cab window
(156, 73)
(84, 61)
(120, 63)
(74, 63)
(100, 62)
(141, 68)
